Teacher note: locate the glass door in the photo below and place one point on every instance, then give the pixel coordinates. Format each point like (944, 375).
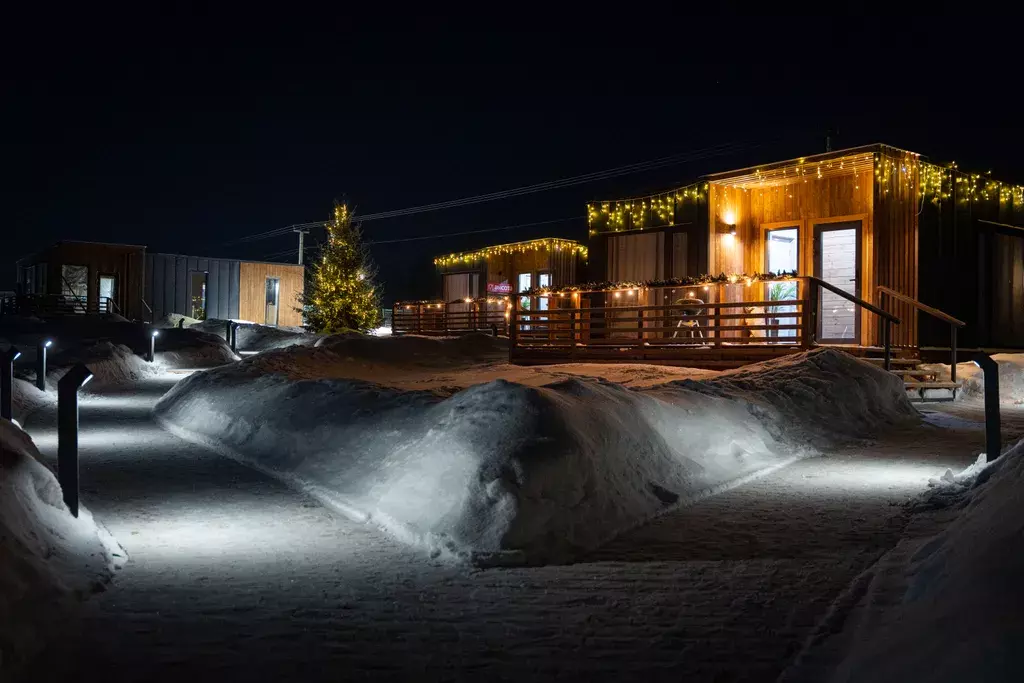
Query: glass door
(782, 255)
(273, 300)
(108, 292)
(837, 262)
(197, 294)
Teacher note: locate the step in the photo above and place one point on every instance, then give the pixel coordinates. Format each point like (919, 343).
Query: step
(895, 362)
(931, 385)
(914, 373)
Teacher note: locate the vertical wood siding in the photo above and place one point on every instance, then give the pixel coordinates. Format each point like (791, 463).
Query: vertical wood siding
(253, 292)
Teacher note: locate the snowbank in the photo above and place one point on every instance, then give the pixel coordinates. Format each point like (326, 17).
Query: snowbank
(414, 349)
(191, 348)
(948, 608)
(972, 379)
(254, 337)
(48, 556)
(528, 473)
(27, 399)
(111, 364)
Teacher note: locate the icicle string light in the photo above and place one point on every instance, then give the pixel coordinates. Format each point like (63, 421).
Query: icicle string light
(547, 243)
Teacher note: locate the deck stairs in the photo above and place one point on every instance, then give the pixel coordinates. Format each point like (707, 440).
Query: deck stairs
(921, 383)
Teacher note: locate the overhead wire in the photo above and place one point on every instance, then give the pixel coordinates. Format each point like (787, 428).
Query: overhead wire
(638, 167)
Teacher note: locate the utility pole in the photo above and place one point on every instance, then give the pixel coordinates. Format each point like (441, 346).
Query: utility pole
(302, 241)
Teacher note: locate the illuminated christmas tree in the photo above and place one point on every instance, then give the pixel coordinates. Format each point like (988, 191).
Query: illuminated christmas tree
(340, 292)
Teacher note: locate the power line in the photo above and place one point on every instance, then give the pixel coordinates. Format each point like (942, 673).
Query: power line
(449, 234)
(639, 167)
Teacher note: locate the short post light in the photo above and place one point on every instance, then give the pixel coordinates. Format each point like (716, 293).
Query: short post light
(993, 438)
(234, 336)
(7, 359)
(67, 433)
(152, 345)
(44, 344)
(227, 332)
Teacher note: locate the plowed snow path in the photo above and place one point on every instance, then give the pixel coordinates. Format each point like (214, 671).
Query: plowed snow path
(233, 576)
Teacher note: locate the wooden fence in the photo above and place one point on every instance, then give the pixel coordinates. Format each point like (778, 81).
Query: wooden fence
(438, 318)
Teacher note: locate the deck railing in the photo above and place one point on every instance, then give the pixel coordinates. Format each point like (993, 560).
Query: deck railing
(43, 304)
(664, 323)
(437, 318)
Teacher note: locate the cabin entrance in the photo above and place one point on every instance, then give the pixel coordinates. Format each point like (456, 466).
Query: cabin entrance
(837, 262)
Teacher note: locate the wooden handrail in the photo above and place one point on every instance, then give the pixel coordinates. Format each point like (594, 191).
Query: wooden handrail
(923, 307)
(855, 299)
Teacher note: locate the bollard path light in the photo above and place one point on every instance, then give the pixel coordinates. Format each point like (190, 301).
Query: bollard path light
(993, 437)
(234, 335)
(152, 345)
(41, 363)
(7, 359)
(67, 433)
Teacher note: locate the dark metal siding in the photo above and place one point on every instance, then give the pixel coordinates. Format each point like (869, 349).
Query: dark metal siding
(167, 284)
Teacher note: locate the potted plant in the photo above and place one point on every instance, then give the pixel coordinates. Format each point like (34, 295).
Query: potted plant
(777, 291)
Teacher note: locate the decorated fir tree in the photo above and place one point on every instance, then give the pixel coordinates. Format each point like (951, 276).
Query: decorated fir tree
(340, 293)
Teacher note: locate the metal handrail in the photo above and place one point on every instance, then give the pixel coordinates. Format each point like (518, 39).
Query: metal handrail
(934, 312)
(888, 318)
(855, 299)
(954, 323)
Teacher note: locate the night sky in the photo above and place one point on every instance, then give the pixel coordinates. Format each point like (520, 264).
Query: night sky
(184, 131)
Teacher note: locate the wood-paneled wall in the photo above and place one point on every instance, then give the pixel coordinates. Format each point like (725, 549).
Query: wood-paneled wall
(803, 203)
(252, 292)
(893, 244)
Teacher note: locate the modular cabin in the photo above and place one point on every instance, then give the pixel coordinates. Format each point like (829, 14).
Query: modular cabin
(83, 277)
(260, 292)
(476, 285)
(93, 277)
(871, 248)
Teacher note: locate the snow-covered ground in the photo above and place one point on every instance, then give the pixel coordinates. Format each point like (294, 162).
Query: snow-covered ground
(235, 576)
(511, 473)
(945, 604)
(47, 557)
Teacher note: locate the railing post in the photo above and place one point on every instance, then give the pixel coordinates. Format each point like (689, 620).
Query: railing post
(993, 437)
(886, 337)
(419, 318)
(513, 324)
(572, 333)
(639, 325)
(718, 324)
(952, 354)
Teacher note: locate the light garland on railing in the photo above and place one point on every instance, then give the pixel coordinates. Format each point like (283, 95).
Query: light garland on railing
(547, 243)
(679, 282)
(437, 304)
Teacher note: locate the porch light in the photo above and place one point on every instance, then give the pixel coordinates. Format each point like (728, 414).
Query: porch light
(468, 300)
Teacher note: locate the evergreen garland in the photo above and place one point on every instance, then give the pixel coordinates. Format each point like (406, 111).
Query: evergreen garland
(721, 278)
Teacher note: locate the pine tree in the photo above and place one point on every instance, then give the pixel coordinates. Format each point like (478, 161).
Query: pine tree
(340, 293)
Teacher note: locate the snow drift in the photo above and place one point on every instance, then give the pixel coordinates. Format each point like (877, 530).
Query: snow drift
(944, 608)
(48, 556)
(527, 473)
(250, 336)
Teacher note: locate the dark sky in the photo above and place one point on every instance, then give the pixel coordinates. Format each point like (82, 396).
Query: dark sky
(182, 130)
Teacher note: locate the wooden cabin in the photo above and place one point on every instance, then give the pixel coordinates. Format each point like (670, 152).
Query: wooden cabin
(84, 277)
(504, 269)
(874, 241)
(476, 286)
(94, 277)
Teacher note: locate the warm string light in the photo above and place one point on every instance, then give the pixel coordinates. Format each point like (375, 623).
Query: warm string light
(642, 212)
(546, 243)
(632, 288)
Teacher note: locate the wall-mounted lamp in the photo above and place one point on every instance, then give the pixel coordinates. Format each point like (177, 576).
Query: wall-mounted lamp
(152, 345)
(7, 359)
(41, 363)
(67, 433)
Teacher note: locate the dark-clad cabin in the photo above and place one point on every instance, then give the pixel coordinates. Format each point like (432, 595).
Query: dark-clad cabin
(873, 241)
(86, 277)
(504, 269)
(265, 293)
(94, 277)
